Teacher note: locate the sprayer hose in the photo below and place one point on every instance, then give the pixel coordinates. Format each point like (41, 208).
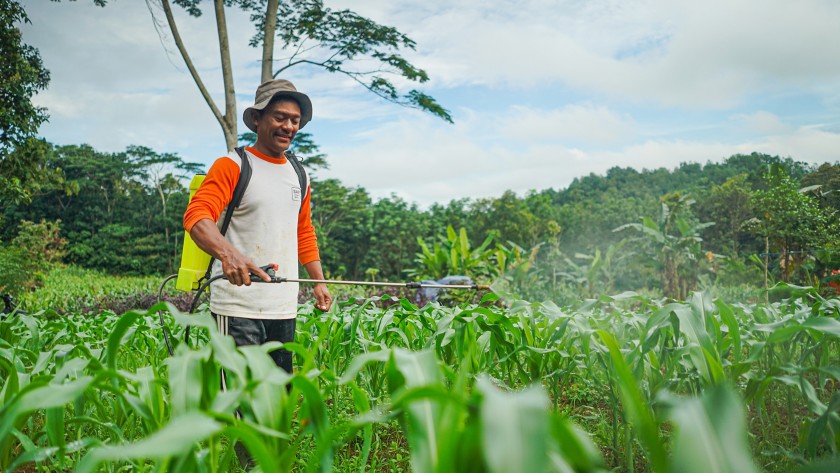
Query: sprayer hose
(160, 314)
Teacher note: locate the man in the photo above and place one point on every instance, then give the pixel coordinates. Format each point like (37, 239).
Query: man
(272, 224)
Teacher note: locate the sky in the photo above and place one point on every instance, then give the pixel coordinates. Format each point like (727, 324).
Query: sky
(540, 91)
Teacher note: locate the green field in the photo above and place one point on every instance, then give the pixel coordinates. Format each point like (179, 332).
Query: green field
(621, 383)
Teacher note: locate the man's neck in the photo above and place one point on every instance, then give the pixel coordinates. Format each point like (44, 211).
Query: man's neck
(266, 152)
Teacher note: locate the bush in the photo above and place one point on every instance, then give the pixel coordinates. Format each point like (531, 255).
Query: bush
(41, 241)
(18, 272)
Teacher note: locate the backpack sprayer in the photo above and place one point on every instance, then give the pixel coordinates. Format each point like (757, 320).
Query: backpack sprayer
(194, 272)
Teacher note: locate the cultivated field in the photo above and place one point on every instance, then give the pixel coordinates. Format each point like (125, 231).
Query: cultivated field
(622, 383)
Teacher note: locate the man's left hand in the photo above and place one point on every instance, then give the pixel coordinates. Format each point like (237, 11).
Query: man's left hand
(323, 299)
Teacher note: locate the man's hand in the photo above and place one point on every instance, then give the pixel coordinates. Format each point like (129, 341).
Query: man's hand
(238, 269)
(235, 266)
(323, 299)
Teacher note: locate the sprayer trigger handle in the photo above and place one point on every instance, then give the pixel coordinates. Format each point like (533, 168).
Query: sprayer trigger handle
(269, 269)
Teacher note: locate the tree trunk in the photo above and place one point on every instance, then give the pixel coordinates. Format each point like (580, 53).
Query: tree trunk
(159, 186)
(670, 282)
(268, 40)
(766, 269)
(229, 118)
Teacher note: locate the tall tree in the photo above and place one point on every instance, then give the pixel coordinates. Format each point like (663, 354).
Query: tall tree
(22, 155)
(315, 36)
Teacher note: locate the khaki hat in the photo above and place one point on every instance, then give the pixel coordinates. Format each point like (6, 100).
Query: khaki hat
(270, 89)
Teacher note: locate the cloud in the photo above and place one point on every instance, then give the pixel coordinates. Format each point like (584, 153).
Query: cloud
(426, 162)
(762, 122)
(586, 123)
(812, 144)
(676, 53)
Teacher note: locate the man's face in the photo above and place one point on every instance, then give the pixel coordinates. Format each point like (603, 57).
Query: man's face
(277, 126)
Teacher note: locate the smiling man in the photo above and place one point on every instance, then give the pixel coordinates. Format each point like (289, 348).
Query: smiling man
(272, 224)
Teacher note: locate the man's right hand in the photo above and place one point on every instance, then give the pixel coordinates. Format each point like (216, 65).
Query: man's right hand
(235, 266)
(238, 269)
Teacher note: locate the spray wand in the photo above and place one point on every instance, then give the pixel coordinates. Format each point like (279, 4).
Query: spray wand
(271, 269)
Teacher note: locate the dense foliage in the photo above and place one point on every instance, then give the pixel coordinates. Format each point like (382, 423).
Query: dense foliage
(748, 220)
(21, 75)
(625, 382)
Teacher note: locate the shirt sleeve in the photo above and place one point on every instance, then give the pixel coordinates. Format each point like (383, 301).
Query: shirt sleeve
(214, 194)
(307, 241)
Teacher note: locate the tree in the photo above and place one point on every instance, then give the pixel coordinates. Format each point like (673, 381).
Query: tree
(120, 212)
(341, 216)
(791, 221)
(314, 36)
(454, 255)
(729, 206)
(163, 173)
(22, 155)
(394, 227)
(510, 218)
(827, 177)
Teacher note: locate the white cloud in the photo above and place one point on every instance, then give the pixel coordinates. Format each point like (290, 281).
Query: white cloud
(581, 123)
(424, 161)
(763, 122)
(812, 144)
(685, 53)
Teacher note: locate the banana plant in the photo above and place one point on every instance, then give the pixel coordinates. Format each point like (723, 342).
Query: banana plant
(674, 243)
(454, 255)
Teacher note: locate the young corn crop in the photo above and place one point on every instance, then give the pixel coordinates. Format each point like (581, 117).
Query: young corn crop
(620, 383)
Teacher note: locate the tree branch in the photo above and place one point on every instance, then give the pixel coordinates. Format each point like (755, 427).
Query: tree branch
(170, 19)
(229, 121)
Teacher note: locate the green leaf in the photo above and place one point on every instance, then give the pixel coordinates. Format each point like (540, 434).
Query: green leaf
(818, 427)
(420, 369)
(115, 340)
(575, 447)
(360, 361)
(826, 325)
(711, 435)
(640, 415)
(515, 428)
(830, 465)
(176, 438)
(185, 381)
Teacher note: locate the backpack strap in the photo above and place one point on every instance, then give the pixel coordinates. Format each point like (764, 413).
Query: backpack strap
(238, 192)
(301, 174)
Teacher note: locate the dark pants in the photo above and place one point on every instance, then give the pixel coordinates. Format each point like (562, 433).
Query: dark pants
(257, 332)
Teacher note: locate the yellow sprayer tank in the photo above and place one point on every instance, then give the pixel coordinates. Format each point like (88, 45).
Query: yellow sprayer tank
(194, 261)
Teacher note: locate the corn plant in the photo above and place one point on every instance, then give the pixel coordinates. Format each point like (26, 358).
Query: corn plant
(621, 382)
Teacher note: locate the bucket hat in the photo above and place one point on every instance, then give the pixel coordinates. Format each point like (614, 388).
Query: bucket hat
(270, 89)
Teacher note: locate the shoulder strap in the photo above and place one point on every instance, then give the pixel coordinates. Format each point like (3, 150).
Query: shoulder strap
(238, 192)
(301, 174)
